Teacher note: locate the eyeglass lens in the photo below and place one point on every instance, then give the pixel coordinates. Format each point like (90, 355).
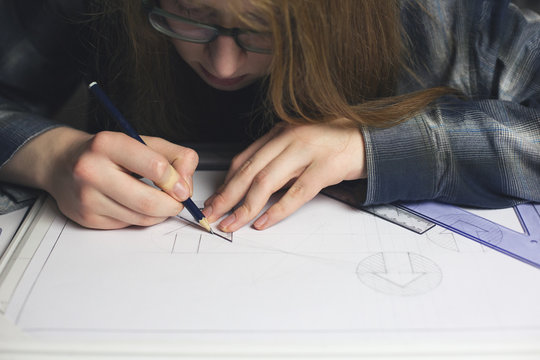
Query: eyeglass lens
(179, 28)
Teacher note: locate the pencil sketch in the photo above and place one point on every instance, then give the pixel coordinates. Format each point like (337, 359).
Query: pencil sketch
(520, 245)
(399, 273)
(474, 226)
(309, 274)
(389, 273)
(451, 241)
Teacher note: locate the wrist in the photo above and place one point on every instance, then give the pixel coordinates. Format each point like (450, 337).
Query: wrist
(37, 162)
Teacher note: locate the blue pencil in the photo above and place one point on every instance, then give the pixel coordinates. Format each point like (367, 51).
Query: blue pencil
(124, 124)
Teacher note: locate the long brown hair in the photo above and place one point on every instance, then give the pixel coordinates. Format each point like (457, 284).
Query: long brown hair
(332, 59)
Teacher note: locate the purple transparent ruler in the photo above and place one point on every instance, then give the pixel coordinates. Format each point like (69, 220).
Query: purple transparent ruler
(523, 246)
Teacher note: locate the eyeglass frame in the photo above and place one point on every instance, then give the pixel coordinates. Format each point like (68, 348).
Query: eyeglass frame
(218, 30)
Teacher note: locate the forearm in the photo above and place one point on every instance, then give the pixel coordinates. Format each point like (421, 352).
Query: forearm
(34, 164)
(485, 150)
(480, 153)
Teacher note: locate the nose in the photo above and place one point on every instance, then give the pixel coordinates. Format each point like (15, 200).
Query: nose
(226, 56)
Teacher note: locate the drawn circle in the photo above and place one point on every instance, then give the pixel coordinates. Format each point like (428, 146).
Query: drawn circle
(400, 274)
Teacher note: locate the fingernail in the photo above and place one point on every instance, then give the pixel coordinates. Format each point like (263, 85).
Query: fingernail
(261, 221)
(180, 192)
(228, 221)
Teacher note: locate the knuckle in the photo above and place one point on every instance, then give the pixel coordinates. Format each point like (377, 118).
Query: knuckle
(297, 190)
(244, 211)
(158, 167)
(101, 141)
(83, 170)
(246, 169)
(300, 193)
(219, 200)
(236, 161)
(261, 178)
(190, 156)
(276, 211)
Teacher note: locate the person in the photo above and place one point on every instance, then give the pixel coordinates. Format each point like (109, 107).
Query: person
(415, 99)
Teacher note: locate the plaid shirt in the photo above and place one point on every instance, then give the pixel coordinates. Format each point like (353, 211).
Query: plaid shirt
(481, 150)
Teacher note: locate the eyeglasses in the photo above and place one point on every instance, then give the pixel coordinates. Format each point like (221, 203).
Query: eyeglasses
(185, 29)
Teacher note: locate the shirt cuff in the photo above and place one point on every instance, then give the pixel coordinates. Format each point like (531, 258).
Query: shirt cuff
(14, 197)
(17, 128)
(401, 162)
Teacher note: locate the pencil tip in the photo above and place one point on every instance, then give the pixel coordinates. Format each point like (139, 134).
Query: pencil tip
(204, 223)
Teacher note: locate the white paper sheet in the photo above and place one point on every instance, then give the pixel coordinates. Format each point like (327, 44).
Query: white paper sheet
(328, 269)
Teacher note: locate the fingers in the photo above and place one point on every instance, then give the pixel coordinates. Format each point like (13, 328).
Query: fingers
(251, 173)
(100, 192)
(183, 161)
(241, 159)
(138, 196)
(113, 216)
(309, 157)
(300, 192)
(260, 187)
(151, 164)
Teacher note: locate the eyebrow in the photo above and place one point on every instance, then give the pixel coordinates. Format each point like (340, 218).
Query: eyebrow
(214, 14)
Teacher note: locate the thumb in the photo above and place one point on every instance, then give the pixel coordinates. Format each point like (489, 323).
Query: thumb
(174, 185)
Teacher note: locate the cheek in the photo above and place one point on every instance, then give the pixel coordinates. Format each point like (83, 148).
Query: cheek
(261, 64)
(188, 51)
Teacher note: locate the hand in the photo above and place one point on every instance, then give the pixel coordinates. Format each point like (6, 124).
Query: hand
(309, 157)
(90, 176)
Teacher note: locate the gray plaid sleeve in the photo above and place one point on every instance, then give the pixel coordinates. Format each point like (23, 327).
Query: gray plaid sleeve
(480, 151)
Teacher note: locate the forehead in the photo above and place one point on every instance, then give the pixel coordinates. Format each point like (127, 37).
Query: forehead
(224, 11)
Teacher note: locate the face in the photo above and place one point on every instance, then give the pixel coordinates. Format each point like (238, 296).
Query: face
(222, 64)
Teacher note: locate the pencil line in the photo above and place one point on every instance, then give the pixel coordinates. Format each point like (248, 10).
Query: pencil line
(199, 246)
(174, 243)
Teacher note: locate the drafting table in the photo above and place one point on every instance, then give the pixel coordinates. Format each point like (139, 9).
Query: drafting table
(329, 281)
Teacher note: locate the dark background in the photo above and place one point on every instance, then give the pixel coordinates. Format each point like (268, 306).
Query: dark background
(74, 111)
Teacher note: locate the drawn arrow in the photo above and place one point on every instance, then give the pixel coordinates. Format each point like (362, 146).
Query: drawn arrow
(399, 269)
(399, 279)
